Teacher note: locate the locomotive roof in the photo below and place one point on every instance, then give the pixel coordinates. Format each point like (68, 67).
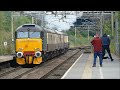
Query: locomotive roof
(49, 30)
(30, 27)
(53, 31)
(58, 32)
(34, 27)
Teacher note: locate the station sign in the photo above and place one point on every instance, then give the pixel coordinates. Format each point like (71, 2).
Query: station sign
(5, 43)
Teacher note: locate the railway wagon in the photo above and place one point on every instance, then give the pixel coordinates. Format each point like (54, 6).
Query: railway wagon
(34, 44)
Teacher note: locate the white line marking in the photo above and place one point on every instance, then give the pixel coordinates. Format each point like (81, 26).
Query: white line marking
(71, 67)
(101, 73)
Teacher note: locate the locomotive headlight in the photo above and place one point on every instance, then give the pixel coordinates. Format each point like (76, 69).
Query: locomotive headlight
(38, 54)
(19, 54)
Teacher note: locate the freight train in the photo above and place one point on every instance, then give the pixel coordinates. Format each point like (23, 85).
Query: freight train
(34, 44)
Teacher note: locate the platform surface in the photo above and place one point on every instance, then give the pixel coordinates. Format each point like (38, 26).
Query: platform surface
(6, 58)
(82, 68)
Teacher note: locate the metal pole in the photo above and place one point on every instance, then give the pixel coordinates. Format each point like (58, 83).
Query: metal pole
(101, 25)
(112, 22)
(36, 20)
(32, 19)
(12, 25)
(75, 35)
(102, 19)
(88, 32)
(42, 17)
(116, 27)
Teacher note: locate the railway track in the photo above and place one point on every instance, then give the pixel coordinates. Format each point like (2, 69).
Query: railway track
(59, 70)
(16, 72)
(44, 70)
(9, 71)
(48, 68)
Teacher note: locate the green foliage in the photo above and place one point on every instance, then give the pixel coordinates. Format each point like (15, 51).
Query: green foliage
(5, 30)
(108, 30)
(81, 38)
(6, 37)
(5, 18)
(84, 33)
(20, 21)
(107, 26)
(2, 22)
(7, 24)
(119, 24)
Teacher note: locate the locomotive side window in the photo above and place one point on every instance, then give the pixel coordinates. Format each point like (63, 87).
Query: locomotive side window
(34, 34)
(22, 34)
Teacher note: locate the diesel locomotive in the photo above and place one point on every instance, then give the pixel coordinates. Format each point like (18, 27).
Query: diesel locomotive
(34, 44)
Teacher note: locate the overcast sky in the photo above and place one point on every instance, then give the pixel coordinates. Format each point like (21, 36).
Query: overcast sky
(57, 22)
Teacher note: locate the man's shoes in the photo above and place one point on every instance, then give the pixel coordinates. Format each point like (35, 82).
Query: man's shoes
(94, 65)
(112, 59)
(100, 65)
(105, 57)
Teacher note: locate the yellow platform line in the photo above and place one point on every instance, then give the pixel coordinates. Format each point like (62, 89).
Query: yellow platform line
(87, 73)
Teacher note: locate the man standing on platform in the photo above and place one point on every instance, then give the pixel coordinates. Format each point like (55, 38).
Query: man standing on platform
(97, 44)
(106, 46)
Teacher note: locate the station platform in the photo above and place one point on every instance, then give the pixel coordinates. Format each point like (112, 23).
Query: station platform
(6, 58)
(82, 68)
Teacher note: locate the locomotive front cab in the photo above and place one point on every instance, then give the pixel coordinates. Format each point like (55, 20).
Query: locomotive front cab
(28, 45)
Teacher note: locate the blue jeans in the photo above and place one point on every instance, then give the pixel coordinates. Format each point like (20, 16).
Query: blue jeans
(99, 54)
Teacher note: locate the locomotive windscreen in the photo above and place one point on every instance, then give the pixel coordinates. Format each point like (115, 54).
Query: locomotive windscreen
(28, 34)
